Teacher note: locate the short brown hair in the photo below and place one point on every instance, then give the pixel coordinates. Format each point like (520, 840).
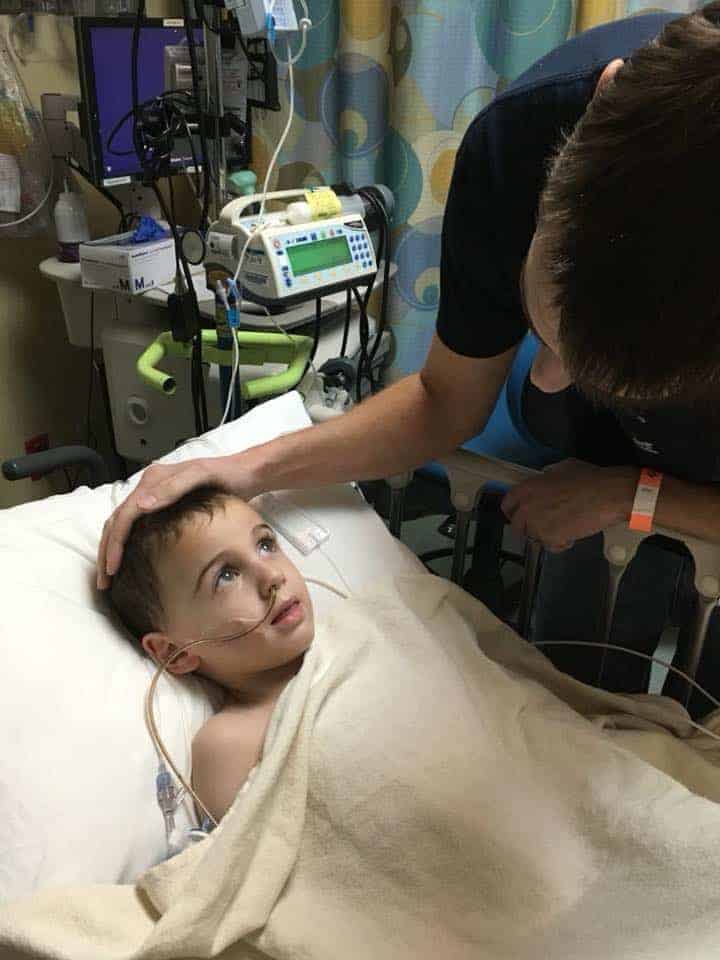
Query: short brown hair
(631, 213)
(135, 591)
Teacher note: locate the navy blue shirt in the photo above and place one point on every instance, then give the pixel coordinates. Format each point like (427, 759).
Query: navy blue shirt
(499, 174)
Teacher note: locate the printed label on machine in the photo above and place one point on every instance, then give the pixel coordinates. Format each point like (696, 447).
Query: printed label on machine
(234, 80)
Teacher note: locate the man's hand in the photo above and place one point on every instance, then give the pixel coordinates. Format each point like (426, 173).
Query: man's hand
(160, 486)
(569, 501)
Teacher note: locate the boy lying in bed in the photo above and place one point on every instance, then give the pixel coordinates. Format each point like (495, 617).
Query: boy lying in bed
(208, 566)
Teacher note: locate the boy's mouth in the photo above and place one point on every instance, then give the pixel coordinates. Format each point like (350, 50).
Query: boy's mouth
(289, 612)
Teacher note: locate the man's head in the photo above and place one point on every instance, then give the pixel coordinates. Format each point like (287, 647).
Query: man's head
(621, 281)
(208, 566)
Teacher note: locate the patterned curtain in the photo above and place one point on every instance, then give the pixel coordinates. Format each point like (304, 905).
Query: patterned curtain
(385, 92)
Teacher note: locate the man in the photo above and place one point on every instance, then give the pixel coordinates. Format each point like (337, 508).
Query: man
(582, 202)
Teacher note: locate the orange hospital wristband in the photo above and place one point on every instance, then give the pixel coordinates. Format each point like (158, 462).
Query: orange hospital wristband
(646, 495)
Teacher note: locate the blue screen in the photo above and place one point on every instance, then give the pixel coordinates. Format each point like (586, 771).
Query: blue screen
(112, 65)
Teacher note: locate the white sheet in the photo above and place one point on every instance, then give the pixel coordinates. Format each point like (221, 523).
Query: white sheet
(77, 769)
(425, 797)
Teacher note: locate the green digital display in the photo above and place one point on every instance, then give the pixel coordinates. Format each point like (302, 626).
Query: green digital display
(319, 255)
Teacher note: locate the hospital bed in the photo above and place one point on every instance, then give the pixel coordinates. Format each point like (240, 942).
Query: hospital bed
(469, 474)
(72, 686)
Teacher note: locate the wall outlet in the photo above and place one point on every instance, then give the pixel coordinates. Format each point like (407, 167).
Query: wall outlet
(37, 444)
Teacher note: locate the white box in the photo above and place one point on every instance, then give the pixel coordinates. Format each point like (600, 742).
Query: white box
(112, 263)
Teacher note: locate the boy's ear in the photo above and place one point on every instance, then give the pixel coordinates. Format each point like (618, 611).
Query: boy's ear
(159, 646)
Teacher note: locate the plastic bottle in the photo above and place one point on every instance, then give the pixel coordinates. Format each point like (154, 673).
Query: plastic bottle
(71, 225)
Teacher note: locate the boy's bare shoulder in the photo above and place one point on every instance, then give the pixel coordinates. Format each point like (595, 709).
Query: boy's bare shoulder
(224, 751)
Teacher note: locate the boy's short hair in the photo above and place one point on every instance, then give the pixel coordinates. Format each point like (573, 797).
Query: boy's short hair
(135, 593)
(630, 214)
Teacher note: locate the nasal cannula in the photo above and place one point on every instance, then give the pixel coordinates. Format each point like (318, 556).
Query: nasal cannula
(162, 669)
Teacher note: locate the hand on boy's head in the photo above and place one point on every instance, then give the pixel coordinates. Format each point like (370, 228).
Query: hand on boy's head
(160, 486)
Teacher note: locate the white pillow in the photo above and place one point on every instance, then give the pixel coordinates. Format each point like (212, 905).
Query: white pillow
(77, 768)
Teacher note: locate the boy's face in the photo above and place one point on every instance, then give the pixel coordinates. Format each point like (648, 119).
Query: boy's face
(216, 580)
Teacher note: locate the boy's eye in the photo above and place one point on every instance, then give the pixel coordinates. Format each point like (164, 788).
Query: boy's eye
(226, 575)
(268, 543)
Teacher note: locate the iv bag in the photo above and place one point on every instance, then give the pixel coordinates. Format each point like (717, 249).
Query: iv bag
(25, 161)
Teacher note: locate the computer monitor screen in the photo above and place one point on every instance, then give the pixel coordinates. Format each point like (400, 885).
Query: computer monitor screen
(104, 48)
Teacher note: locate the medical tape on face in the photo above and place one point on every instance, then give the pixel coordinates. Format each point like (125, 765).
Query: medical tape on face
(646, 496)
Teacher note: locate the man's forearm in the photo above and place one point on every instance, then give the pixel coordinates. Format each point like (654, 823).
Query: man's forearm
(689, 508)
(398, 429)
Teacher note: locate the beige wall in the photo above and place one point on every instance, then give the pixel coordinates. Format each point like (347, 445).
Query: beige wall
(43, 380)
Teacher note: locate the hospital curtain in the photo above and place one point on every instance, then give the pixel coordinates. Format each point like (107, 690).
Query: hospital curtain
(385, 92)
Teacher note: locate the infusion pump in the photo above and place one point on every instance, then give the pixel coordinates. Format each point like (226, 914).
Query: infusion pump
(287, 263)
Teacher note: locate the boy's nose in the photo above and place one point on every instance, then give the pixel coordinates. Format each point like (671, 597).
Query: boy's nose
(272, 579)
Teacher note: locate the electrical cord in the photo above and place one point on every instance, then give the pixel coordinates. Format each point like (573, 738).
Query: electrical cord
(364, 330)
(200, 15)
(365, 361)
(384, 255)
(91, 438)
(646, 656)
(196, 166)
(180, 98)
(233, 377)
(154, 152)
(134, 85)
(383, 252)
(201, 125)
(149, 164)
(197, 380)
(171, 194)
(346, 331)
(236, 394)
(316, 338)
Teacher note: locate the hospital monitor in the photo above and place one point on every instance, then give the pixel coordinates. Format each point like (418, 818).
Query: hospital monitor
(104, 50)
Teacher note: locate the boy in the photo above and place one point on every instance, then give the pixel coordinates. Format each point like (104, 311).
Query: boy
(208, 566)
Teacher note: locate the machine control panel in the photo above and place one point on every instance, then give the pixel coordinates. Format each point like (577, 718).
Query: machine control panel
(290, 263)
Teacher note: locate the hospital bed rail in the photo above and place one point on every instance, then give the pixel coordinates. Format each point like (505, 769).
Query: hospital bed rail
(58, 458)
(469, 474)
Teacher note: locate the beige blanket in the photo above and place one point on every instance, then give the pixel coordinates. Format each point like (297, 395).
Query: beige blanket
(425, 797)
